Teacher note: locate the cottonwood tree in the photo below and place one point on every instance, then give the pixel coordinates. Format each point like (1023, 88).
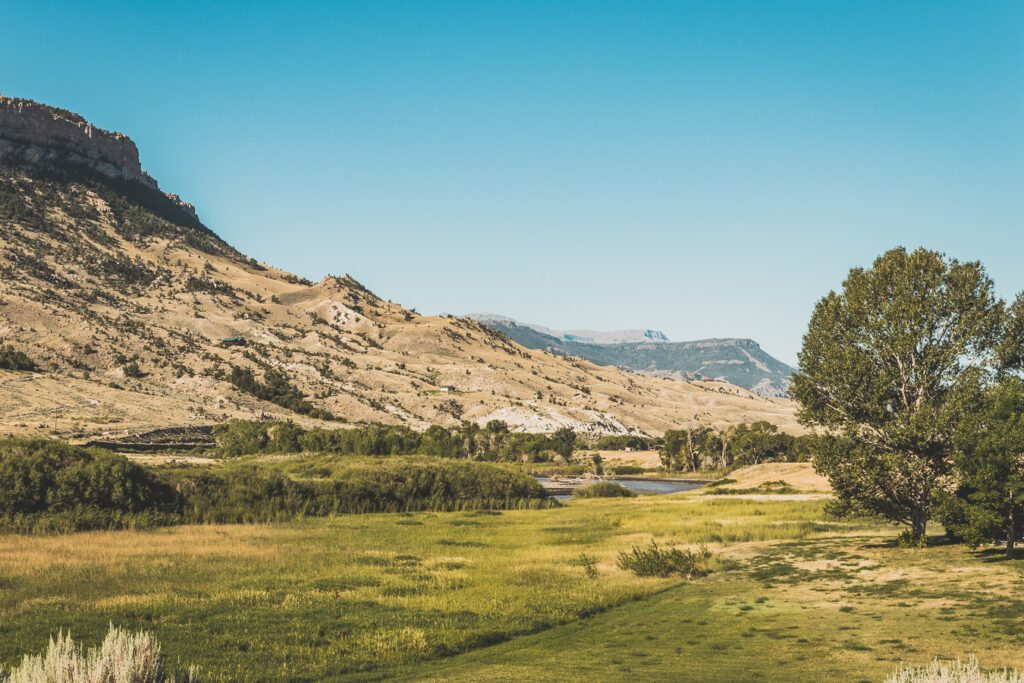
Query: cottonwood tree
(989, 503)
(759, 442)
(687, 447)
(892, 364)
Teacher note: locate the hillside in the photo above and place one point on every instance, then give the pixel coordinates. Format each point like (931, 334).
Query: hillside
(123, 298)
(738, 361)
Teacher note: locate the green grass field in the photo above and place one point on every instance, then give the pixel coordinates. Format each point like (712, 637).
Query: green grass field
(501, 595)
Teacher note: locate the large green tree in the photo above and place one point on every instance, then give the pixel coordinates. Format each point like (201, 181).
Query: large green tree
(989, 503)
(891, 365)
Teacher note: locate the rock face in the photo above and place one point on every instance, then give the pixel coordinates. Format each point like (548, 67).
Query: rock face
(739, 361)
(34, 133)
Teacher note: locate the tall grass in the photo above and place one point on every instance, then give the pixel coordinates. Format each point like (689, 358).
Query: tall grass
(958, 671)
(123, 657)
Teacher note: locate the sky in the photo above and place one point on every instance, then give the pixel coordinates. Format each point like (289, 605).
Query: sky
(709, 169)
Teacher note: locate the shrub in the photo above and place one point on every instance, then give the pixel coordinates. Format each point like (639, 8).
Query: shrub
(603, 489)
(255, 494)
(276, 389)
(628, 469)
(123, 657)
(953, 672)
(657, 561)
(779, 486)
(12, 359)
(76, 487)
(589, 565)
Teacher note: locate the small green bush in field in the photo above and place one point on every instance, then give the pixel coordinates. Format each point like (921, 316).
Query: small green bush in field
(628, 469)
(603, 489)
(657, 561)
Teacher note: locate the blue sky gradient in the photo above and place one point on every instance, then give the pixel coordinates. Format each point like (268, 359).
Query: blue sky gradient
(708, 169)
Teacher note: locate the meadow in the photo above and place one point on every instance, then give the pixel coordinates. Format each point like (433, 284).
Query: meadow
(504, 595)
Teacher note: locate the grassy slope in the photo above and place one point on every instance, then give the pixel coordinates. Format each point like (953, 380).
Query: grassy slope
(325, 599)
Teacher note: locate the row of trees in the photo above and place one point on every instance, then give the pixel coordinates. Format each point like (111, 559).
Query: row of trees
(913, 372)
(493, 442)
(743, 444)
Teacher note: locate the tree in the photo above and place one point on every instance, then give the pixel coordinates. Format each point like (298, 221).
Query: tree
(688, 448)
(759, 442)
(671, 450)
(989, 505)
(891, 365)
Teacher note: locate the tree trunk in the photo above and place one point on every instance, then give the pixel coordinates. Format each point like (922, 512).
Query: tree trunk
(918, 525)
(1011, 531)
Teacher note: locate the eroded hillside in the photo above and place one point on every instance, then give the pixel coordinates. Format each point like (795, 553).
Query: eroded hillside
(123, 298)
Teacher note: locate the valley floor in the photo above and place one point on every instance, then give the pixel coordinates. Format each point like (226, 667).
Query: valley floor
(503, 596)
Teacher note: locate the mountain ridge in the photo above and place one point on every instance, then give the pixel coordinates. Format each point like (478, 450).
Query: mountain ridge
(739, 361)
(142, 318)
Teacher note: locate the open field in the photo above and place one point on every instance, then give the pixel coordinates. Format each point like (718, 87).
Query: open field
(387, 596)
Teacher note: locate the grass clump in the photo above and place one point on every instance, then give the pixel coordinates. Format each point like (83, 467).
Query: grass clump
(939, 671)
(603, 489)
(123, 657)
(655, 560)
(777, 487)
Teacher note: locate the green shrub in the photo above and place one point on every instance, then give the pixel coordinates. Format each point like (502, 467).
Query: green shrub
(777, 487)
(276, 389)
(12, 359)
(603, 489)
(628, 469)
(260, 494)
(657, 561)
(75, 488)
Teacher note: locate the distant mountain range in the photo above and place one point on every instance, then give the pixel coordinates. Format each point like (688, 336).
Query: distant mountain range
(738, 361)
(580, 336)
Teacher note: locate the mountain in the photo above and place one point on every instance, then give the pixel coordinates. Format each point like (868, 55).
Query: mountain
(738, 361)
(140, 317)
(581, 336)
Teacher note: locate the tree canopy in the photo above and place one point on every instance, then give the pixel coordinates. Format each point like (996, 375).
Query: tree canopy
(890, 366)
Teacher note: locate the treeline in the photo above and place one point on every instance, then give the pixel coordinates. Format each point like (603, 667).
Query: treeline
(739, 445)
(494, 442)
(50, 486)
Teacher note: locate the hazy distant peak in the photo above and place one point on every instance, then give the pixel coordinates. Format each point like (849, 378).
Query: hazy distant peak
(579, 336)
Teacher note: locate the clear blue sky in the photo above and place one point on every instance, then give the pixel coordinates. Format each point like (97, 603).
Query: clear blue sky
(709, 169)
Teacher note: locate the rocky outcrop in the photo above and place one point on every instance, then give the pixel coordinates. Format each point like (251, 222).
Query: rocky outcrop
(34, 133)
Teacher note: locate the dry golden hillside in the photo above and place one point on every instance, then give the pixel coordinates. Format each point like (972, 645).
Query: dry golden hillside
(123, 299)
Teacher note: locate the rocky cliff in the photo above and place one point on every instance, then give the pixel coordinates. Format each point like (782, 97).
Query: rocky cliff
(35, 133)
